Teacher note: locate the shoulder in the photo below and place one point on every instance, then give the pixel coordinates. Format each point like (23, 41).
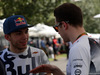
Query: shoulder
(3, 51)
(81, 47)
(33, 49)
(38, 52)
(82, 42)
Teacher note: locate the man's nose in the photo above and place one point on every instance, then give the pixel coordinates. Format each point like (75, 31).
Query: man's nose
(25, 36)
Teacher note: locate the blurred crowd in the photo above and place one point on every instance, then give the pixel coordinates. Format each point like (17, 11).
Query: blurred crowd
(3, 43)
(51, 46)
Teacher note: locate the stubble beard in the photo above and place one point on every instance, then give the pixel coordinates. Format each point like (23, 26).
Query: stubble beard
(17, 46)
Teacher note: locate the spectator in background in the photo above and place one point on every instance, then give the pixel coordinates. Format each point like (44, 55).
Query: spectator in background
(51, 53)
(55, 47)
(3, 43)
(65, 46)
(38, 45)
(70, 44)
(32, 42)
(43, 45)
(1, 47)
(49, 48)
(68, 47)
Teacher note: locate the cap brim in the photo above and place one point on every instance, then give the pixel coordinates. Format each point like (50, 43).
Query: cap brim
(18, 28)
(29, 26)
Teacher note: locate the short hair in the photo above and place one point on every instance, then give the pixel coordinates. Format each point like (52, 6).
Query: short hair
(69, 12)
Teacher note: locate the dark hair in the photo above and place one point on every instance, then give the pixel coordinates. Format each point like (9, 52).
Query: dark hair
(69, 12)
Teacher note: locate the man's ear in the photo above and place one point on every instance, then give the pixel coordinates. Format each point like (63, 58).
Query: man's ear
(65, 25)
(7, 37)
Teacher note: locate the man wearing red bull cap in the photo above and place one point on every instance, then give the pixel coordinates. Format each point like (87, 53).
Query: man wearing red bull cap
(19, 58)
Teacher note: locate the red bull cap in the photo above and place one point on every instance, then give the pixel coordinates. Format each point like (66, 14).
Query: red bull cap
(14, 23)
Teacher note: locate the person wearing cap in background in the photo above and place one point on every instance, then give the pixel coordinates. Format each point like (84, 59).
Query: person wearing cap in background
(19, 58)
(83, 60)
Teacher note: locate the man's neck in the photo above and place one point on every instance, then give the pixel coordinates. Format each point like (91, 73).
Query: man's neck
(16, 50)
(75, 33)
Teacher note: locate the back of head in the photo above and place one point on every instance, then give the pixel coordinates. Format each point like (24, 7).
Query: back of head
(69, 12)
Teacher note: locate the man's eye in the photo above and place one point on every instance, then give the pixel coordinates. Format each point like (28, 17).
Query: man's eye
(26, 31)
(18, 33)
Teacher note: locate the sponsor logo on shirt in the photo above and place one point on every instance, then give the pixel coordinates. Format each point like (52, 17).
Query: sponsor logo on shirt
(34, 52)
(77, 72)
(77, 66)
(77, 59)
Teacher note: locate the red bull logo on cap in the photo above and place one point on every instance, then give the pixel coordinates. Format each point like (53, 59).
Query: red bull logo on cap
(20, 21)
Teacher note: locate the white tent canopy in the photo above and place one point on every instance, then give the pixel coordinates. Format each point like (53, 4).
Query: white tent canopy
(1, 22)
(97, 16)
(1, 31)
(1, 27)
(48, 32)
(95, 36)
(43, 30)
(33, 32)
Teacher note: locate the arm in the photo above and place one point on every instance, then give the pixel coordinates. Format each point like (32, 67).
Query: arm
(44, 60)
(48, 69)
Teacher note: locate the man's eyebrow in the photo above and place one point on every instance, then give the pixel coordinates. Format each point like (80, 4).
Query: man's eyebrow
(18, 31)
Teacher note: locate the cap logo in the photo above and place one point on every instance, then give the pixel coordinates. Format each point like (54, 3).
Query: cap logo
(19, 21)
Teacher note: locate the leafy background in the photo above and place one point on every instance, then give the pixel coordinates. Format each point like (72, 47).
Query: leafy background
(41, 11)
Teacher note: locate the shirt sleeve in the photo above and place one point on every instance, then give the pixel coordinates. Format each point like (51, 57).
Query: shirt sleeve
(79, 61)
(44, 58)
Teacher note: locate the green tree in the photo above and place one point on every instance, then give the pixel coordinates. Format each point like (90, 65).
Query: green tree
(90, 8)
(35, 11)
(41, 11)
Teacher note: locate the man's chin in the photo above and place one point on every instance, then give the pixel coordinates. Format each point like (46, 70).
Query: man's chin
(24, 47)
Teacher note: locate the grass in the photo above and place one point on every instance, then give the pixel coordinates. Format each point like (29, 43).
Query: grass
(58, 57)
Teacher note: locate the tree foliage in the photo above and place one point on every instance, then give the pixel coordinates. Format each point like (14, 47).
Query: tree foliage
(41, 11)
(35, 11)
(90, 8)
